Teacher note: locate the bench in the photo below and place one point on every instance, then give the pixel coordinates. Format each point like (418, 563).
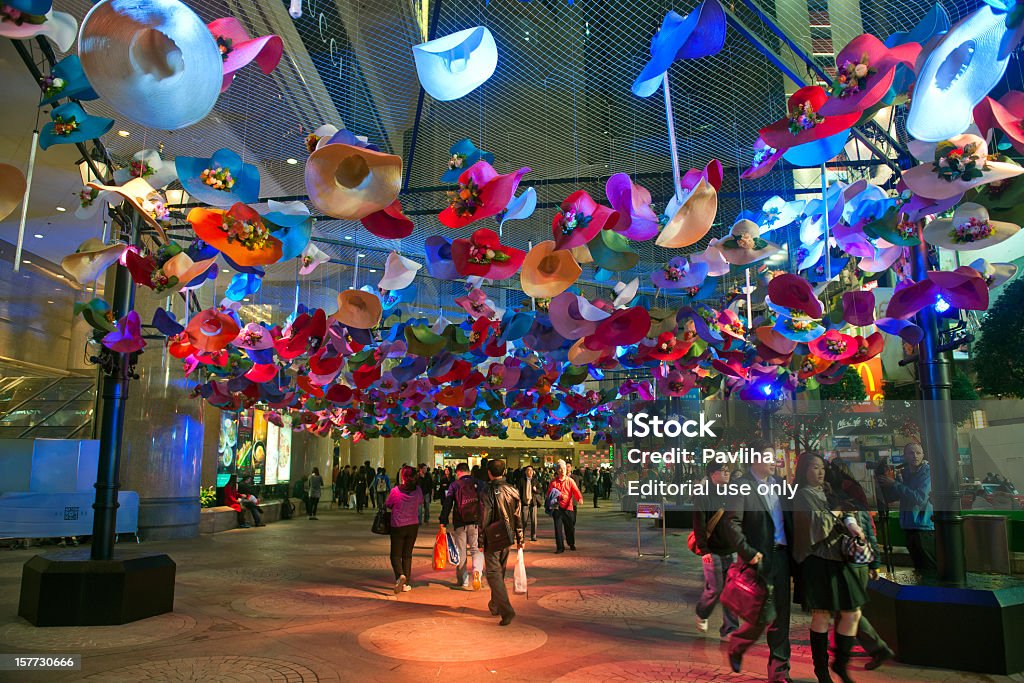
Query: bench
(222, 518)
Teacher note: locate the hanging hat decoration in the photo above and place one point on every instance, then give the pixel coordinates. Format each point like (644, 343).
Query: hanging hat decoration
(290, 223)
(389, 223)
(743, 245)
(152, 61)
(463, 155)
(765, 158)
(348, 178)
(71, 124)
(60, 27)
(701, 33)
(865, 70)
(399, 272)
(12, 189)
(220, 180)
(804, 123)
(239, 233)
(692, 220)
(520, 208)
(67, 79)
(312, 258)
(127, 338)
(995, 274)
(484, 255)
(90, 259)
(679, 273)
(142, 197)
(439, 258)
(455, 65)
(237, 49)
(637, 221)
(358, 309)
(148, 165)
(968, 229)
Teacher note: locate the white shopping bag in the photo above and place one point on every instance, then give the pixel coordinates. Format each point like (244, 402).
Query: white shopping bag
(520, 574)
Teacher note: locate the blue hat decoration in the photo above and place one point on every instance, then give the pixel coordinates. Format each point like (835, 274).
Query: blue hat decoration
(67, 79)
(454, 65)
(701, 33)
(464, 154)
(238, 181)
(70, 124)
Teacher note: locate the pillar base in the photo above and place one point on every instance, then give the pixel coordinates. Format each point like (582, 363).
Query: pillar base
(982, 625)
(70, 589)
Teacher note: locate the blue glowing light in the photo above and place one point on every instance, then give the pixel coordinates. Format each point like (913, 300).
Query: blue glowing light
(767, 389)
(941, 305)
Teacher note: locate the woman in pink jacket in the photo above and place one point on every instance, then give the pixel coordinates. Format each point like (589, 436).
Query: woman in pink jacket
(404, 502)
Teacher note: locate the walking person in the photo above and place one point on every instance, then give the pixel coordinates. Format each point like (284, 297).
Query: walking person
(461, 503)
(565, 512)
(361, 484)
(759, 529)
(404, 502)
(381, 486)
(913, 488)
(427, 488)
(716, 551)
(316, 483)
(341, 486)
(829, 583)
(531, 494)
(502, 528)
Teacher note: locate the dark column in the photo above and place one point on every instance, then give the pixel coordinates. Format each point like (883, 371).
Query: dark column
(113, 391)
(939, 435)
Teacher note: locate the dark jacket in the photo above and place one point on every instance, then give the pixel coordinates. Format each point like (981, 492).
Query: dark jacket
(536, 491)
(448, 506)
(427, 485)
(704, 510)
(500, 502)
(749, 525)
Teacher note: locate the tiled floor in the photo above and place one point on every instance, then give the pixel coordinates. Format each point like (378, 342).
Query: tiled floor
(313, 601)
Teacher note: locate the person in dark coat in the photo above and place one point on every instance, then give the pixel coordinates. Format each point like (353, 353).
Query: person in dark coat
(716, 551)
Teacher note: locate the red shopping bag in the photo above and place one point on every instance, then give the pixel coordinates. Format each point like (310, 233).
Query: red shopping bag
(440, 550)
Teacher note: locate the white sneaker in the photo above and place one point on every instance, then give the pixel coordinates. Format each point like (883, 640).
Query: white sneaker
(702, 624)
(406, 588)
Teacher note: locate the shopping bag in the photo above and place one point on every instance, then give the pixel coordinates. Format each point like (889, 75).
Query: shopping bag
(520, 574)
(440, 550)
(453, 550)
(382, 522)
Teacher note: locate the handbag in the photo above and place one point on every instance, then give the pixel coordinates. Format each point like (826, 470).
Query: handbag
(382, 522)
(857, 551)
(745, 593)
(496, 536)
(691, 540)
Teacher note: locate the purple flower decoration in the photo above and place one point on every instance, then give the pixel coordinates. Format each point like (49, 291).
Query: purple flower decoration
(680, 274)
(127, 338)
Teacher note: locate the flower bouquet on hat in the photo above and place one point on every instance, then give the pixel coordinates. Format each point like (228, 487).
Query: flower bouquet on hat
(765, 158)
(959, 164)
(239, 233)
(968, 229)
(483, 255)
(238, 49)
(463, 155)
(579, 220)
(804, 123)
(865, 70)
(66, 79)
(743, 246)
(221, 180)
(148, 165)
(679, 273)
(22, 20)
(481, 193)
(995, 274)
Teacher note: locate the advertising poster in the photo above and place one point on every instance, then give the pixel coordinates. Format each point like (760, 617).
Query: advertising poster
(226, 448)
(273, 437)
(243, 452)
(259, 445)
(284, 450)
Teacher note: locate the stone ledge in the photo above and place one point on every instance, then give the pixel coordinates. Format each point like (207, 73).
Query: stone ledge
(222, 518)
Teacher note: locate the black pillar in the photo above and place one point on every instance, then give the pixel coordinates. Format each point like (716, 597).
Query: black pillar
(113, 392)
(938, 433)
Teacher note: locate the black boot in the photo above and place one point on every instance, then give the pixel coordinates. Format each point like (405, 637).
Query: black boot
(819, 654)
(843, 646)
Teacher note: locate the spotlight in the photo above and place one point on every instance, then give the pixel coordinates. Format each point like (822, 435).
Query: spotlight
(766, 390)
(61, 209)
(291, 161)
(123, 133)
(941, 305)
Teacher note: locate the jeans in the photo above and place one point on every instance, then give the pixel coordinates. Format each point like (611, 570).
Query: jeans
(778, 631)
(403, 539)
(565, 528)
(380, 499)
(253, 509)
(425, 510)
(529, 513)
(714, 582)
(313, 503)
(921, 546)
(466, 540)
(495, 563)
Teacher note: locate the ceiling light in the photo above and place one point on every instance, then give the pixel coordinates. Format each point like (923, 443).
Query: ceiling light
(25, 260)
(348, 237)
(245, 301)
(225, 270)
(49, 301)
(38, 237)
(360, 255)
(372, 270)
(61, 209)
(291, 161)
(123, 133)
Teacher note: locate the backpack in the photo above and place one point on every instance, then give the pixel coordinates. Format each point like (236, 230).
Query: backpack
(287, 509)
(467, 502)
(381, 486)
(551, 501)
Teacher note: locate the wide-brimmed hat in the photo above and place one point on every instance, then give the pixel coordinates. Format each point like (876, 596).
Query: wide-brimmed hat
(520, 208)
(399, 272)
(612, 252)
(67, 79)
(777, 213)
(881, 260)
(770, 338)
(455, 65)
(573, 316)
(476, 304)
(926, 33)
(859, 308)
(995, 274)
(579, 220)
(481, 193)
(463, 155)
(833, 346)
(1003, 114)
(637, 220)
(389, 223)
(127, 338)
(358, 309)
(147, 164)
(153, 62)
(959, 164)
(439, 258)
(744, 246)
(964, 288)
(547, 271)
(865, 70)
(237, 48)
(712, 257)
(71, 124)
(692, 220)
(953, 79)
(253, 337)
(182, 267)
(12, 189)
(804, 123)
(220, 180)
(893, 227)
(312, 257)
(791, 292)
(798, 328)
(60, 27)
(625, 292)
(291, 223)
(142, 197)
(347, 179)
(622, 328)
(212, 330)
(97, 313)
(90, 259)
(679, 273)
(701, 33)
(483, 255)
(909, 298)
(239, 233)
(765, 158)
(969, 228)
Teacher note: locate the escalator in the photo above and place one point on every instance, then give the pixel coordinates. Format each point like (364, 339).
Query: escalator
(46, 407)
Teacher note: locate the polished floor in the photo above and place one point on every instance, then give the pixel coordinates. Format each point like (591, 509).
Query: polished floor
(308, 600)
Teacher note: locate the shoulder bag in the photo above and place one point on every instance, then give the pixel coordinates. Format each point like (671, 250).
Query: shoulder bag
(382, 522)
(691, 540)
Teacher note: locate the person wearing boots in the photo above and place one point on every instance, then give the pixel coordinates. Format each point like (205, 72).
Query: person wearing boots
(829, 583)
(501, 528)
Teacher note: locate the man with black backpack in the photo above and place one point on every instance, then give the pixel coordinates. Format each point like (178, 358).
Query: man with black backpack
(462, 502)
